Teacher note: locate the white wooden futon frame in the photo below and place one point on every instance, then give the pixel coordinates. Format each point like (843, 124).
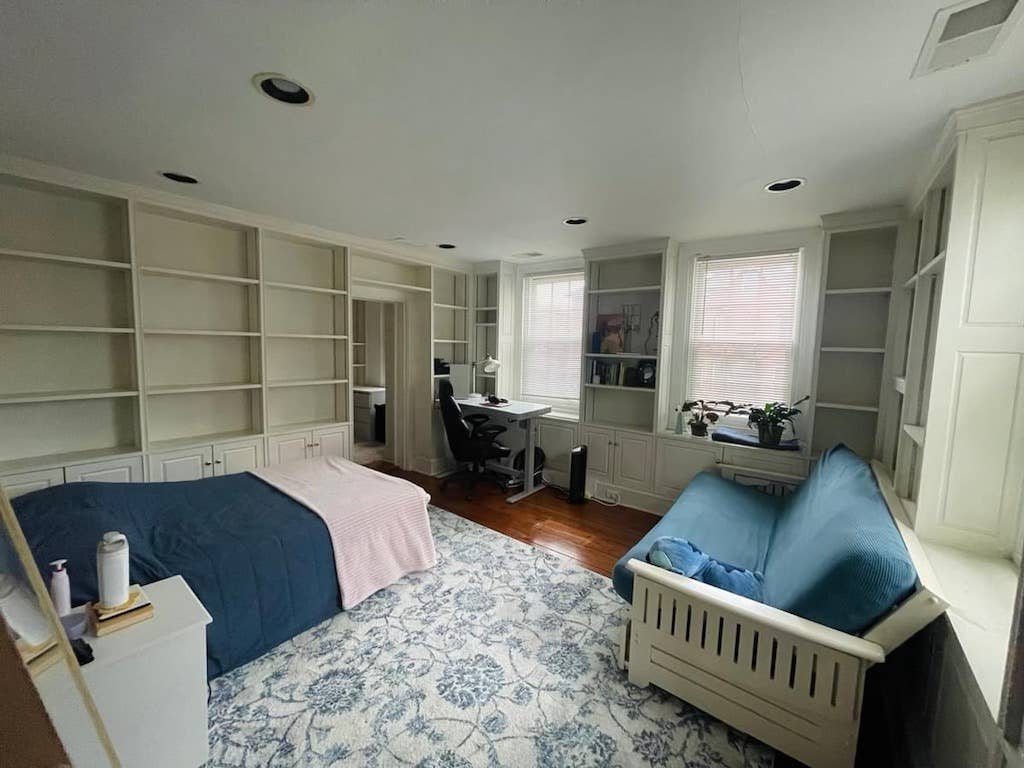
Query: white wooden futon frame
(796, 685)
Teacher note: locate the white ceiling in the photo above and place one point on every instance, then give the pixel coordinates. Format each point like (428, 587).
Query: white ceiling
(487, 123)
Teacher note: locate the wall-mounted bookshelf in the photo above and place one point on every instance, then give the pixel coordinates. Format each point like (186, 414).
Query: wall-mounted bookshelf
(858, 285)
(67, 325)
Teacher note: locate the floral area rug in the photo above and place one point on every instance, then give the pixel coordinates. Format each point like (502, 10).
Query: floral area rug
(502, 655)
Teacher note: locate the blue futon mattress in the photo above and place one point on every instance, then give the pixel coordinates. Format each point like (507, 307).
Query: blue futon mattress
(261, 563)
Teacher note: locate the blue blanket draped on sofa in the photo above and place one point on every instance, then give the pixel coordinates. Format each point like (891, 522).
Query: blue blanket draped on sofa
(261, 563)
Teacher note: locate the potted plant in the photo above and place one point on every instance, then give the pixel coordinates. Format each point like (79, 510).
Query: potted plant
(701, 414)
(771, 420)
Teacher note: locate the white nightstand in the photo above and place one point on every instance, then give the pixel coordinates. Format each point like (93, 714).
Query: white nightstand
(149, 681)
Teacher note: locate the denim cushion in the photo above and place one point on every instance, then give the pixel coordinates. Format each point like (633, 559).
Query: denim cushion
(728, 521)
(836, 556)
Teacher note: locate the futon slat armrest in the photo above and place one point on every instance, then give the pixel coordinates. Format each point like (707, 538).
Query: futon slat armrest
(746, 608)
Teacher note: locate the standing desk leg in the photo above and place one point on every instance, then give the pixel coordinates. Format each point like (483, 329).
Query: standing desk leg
(529, 487)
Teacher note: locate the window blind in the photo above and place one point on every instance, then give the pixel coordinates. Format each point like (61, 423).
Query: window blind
(552, 340)
(743, 328)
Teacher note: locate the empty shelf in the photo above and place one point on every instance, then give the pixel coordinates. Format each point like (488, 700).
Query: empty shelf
(59, 259)
(305, 288)
(191, 275)
(53, 397)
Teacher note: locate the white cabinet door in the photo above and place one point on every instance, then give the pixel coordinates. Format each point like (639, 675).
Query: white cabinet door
(116, 471)
(678, 462)
(26, 482)
(187, 464)
(332, 441)
(633, 454)
(599, 451)
(229, 458)
(557, 437)
(762, 458)
(295, 446)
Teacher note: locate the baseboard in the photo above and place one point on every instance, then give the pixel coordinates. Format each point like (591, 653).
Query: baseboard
(645, 502)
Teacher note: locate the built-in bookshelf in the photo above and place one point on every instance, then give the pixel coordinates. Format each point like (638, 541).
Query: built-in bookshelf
(200, 310)
(67, 325)
(622, 339)
(858, 280)
(918, 293)
(306, 317)
(450, 319)
(485, 329)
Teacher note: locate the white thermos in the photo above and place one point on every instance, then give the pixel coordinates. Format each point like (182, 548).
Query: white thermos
(112, 569)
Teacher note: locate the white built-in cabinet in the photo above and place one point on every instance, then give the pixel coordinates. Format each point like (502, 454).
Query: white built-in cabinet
(620, 458)
(201, 461)
(678, 462)
(26, 482)
(127, 470)
(296, 446)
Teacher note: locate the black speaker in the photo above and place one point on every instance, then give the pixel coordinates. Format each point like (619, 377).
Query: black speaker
(577, 474)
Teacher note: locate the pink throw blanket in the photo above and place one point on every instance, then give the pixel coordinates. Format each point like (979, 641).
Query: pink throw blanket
(378, 523)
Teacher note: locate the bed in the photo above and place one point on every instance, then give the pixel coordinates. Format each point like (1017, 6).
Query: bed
(265, 565)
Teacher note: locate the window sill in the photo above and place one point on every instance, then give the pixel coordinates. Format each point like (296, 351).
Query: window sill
(981, 590)
(555, 416)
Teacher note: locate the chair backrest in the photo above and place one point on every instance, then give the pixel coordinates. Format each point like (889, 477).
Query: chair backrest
(455, 427)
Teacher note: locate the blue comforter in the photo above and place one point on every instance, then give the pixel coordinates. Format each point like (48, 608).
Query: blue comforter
(260, 562)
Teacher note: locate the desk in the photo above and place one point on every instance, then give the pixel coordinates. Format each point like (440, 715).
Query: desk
(513, 412)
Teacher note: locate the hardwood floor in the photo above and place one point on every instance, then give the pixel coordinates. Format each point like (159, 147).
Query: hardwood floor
(592, 534)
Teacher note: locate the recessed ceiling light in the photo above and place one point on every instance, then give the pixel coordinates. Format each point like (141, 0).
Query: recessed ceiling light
(283, 89)
(181, 178)
(446, 246)
(784, 185)
(574, 221)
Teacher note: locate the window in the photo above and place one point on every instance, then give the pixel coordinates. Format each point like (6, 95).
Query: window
(743, 328)
(552, 340)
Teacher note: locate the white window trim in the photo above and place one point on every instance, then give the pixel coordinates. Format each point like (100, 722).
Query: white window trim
(810, 244)
(522, 272)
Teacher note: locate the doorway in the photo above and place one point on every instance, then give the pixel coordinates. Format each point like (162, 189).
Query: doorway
(373, 372)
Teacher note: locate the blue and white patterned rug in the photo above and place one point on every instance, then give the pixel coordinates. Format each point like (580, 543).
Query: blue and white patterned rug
(502, 655)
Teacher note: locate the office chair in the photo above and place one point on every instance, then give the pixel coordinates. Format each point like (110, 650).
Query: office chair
(472, 441)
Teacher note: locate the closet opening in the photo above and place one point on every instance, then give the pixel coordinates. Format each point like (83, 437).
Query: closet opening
(373, 372)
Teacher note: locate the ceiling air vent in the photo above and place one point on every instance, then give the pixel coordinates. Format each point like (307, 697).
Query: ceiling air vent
(966, 31)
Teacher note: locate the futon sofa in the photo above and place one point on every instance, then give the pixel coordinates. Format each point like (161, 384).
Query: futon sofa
(844, 582)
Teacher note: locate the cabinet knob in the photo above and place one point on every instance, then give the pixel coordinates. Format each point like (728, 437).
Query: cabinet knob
(316, 445)
(207, 463)
(218, 461)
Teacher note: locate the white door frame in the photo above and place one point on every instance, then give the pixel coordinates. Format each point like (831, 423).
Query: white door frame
(400, 395)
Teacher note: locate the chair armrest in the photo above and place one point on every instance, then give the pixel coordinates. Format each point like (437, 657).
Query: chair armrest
(491, 431)
(476, 419)
(751, 609)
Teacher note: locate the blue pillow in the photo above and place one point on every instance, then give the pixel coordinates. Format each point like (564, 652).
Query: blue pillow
(682, 557)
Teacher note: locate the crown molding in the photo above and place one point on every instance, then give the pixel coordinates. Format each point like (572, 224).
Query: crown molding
(51, 174)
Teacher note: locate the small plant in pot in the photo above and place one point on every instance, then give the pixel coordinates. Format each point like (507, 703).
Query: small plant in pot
(701, 414)
(771, 420)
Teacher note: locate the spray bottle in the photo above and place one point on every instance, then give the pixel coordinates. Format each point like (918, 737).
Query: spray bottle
(60, 588)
